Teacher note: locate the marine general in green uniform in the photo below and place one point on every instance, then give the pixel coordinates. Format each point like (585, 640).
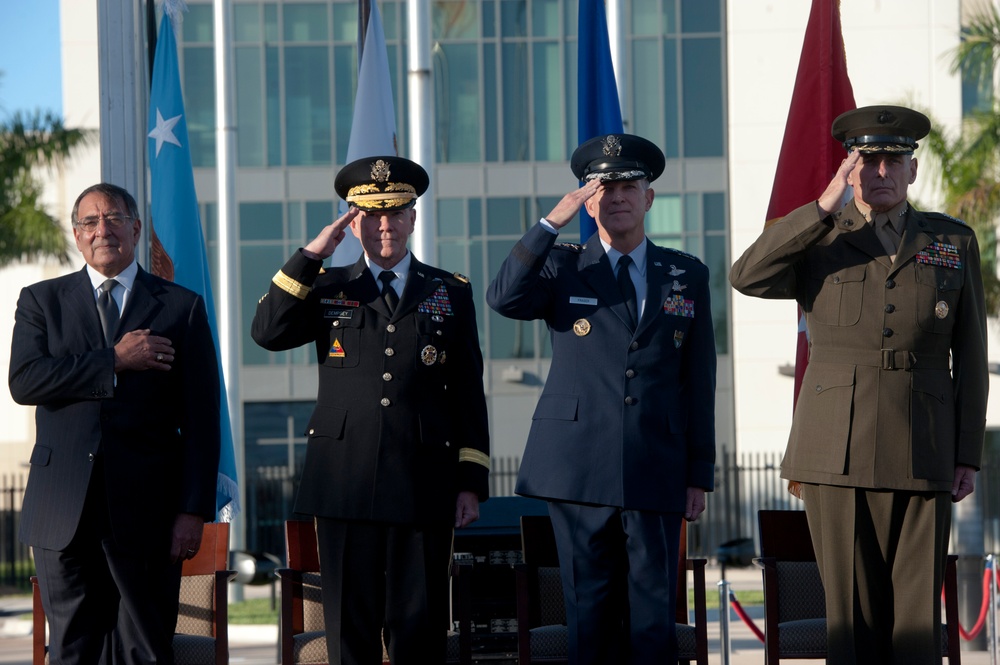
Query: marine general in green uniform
(398, 449)
(888, 429)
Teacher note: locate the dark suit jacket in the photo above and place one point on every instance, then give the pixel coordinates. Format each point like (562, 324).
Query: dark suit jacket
(400, 422)
(895, 392)
(625, 419)
(157, 432)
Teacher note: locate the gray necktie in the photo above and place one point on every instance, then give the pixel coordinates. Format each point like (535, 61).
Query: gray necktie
(388, 293)
(627, 287)
(107, 309)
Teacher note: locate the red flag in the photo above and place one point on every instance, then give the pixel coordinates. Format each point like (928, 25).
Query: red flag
(810, 156)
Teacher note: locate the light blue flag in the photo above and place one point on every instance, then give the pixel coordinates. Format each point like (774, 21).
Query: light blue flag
(373, 129)
(174, 209)
(598, 111)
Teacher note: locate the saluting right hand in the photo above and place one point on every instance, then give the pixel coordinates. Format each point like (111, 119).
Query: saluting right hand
(832, 199)
(570, 204)
(323, 245)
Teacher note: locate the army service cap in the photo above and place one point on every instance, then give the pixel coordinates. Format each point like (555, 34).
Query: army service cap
(385, 182)
(617, 157)
(881, 129)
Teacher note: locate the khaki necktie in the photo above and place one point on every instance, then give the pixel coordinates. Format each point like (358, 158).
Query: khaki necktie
(887, 234)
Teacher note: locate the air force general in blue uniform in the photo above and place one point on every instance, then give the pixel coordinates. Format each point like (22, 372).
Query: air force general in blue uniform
(622, 442)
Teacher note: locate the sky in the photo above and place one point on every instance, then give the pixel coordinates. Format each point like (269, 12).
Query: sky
(30, 56)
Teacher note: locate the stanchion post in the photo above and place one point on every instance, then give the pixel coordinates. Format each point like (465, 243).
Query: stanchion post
(724, 644)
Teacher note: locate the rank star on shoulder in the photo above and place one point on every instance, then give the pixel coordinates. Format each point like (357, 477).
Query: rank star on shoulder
(164, 131)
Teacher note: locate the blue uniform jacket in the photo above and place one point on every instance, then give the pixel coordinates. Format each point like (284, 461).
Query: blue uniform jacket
(625, 419)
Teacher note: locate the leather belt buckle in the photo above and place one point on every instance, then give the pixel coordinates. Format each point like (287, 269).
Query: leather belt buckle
(888, 359)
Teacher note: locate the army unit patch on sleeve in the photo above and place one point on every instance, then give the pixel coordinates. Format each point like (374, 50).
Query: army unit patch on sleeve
(940, 254)
(437, 303)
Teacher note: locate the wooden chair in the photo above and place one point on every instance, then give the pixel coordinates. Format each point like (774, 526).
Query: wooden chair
(301, 636)
(794, 600)
(542, 635)
(202, 633)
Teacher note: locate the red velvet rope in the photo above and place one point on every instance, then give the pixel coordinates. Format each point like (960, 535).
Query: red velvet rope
(743, 615)
(981, 621)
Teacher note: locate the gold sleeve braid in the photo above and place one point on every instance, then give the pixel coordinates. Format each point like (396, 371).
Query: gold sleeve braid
(474, 456)
(291, 286)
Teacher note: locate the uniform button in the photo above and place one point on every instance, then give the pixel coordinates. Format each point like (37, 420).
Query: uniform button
(630, 400)
(629, 373)
(447, 444)
(336, 324)
(890, 284)
(819, 388)
(887, 332)
(390, 352)
(90, 457)
(890, 308)
(387, 377)
(438, 333)
(390, 328)
(385, 401)
(633, 346)
(836, 279)
(311, 431)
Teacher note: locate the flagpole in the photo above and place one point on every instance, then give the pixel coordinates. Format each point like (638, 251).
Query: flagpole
(421, 128)
(229, 332)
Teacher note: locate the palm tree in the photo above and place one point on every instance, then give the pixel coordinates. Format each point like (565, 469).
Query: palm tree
(28, 141)
(970, 162)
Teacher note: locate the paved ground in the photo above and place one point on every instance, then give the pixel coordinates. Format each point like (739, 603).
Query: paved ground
(257, 645)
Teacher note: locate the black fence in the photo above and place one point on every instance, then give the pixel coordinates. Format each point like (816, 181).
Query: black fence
(744, 484)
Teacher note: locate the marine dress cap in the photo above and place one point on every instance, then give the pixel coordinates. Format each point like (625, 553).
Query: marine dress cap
(881, 129)
(617, 157)
(385, 182)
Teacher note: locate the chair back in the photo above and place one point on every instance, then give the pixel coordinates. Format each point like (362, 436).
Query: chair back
(302, 556)
(786, 544)
(196, 611)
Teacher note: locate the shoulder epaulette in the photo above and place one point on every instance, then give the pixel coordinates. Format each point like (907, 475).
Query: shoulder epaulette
(462, 278)
(680, 253)
(944, 217)
(569, 247)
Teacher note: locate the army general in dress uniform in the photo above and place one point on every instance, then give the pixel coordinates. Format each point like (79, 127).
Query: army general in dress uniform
(888, 429)
(398, 449)
(622, 441)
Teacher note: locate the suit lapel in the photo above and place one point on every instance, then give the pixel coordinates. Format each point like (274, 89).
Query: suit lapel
(913, 240)
(597, 273)
(419, 286)
(856, 230)
(659, 284)
(364, 287)
(142, 304)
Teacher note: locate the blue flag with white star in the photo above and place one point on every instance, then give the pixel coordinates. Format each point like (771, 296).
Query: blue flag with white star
(598, 111)
(178, 243)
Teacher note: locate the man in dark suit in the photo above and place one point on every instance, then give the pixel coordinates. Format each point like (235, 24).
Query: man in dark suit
(622, 442)
(123, 472)
(888, 429)
(398, 450)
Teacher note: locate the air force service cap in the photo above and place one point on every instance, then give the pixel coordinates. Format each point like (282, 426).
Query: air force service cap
(617, 157)
(881, 129)
(385, 182)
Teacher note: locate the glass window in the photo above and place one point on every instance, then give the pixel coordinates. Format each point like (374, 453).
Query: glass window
(516, 119)
(714, 211)
(271, 22)
(514, 18)
(307, 106)
(306, 23)
(548, 95)
(489, 19)
(451, 255)
(261, 221)
(692, 213)
(475, 218)
(391, 13)
(273, 85)
(646, 18)
(250, 130)
(319, 215)
(718, 270)
(199, 103)
(345, 81)
(506, 216)
(456, 87)
(701, 16)
(491, 106)
(665, 216)
(704, 133)
(545, 18)
(198, 25)
(246, 23)
(455, 19)
(649, 109)
(345, 22)
(451, 218)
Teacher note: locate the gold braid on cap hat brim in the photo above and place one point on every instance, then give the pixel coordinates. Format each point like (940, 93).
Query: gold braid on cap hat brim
(393, 195)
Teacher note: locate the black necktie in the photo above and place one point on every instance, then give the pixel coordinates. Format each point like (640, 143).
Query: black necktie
(627, 287)
(107, 309)
(388, 293)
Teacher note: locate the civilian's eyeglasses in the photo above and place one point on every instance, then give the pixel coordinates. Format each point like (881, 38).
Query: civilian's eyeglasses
(89, 224)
